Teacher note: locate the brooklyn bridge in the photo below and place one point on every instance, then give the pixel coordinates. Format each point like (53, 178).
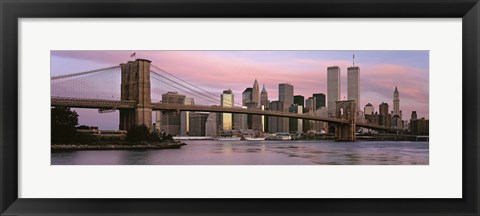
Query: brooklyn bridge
(139, 80)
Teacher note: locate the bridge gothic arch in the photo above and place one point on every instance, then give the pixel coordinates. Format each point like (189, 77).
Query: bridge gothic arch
(135, 86)
(345, 109)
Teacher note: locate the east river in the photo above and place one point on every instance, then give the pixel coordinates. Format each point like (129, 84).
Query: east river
(212, 152)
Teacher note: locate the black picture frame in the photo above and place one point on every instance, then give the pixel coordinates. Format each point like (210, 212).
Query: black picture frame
(12, 10)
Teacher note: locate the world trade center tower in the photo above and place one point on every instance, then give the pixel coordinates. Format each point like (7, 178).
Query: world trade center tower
(353, 85)
(333, 88)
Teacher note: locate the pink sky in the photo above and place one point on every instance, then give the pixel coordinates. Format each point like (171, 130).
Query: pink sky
(215, 71)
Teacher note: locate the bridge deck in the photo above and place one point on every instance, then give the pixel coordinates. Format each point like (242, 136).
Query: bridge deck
(115, 104)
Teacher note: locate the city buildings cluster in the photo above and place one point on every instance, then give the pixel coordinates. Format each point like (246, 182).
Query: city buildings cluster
(318, 104)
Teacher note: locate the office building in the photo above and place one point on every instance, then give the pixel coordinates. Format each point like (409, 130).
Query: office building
(396, 103)
(413, 116)
(299, 100)
(353, 85)
(384, 117)
(170, 121)
(369, 109)
(185, 118)
(295, 125)
(278, 124)
(264, 97)
(211, 125)
(247, 96)
(285, 93)
(227, 100)
(310, 104)
(197, 124)
(256, 93)
(319, 100)
(333, 89)
(419, 126)
(383, 108)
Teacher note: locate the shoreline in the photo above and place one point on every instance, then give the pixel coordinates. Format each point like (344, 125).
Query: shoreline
(123, 146)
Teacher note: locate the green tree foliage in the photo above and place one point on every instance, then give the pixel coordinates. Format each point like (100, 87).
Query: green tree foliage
(63, 122)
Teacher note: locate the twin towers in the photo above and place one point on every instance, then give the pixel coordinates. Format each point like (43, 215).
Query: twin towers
(333, 87)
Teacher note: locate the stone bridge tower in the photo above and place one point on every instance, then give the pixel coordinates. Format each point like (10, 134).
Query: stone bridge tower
(135, 86)
(347, 110)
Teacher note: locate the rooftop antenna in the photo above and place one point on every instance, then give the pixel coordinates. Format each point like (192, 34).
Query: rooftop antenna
(353, 59)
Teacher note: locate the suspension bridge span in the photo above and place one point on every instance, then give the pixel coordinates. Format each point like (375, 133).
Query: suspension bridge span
(140, 81)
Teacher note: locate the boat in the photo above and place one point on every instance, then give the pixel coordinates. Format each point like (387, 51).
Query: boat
(255, 138)
(280, 136)
(232, 138)
(192, 138)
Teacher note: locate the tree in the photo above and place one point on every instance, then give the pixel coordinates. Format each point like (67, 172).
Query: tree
(63, 122)
(138, 133)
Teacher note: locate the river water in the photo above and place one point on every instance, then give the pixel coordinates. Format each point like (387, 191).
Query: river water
(209, 152)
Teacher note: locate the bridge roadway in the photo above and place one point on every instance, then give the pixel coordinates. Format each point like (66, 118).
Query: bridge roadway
(116, 104)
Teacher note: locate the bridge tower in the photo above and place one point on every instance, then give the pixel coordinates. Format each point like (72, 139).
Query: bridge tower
(345, 109)
(135, 86)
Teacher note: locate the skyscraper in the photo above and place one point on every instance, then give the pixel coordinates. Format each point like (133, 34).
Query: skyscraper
(240, 121)
(264, 97)
(264, 104)
(170, 121)
(310, 104)
(413, 116)
(211, 125)
(369, 109)
(319, 100)
(353, 83)
(256, 93)
(385, 117)
(299, 100)
(197, 123)
(383, 108)
(295, 125)
(396, 102)
(309, 109)
(278, 124)
(285, 93)
(333, 88)
(247, 96)
(227, 100)
(185, 118)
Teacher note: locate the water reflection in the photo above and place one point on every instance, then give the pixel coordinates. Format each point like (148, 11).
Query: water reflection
(207, 152)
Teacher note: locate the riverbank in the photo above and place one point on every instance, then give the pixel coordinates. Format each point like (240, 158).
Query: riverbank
(118, 146)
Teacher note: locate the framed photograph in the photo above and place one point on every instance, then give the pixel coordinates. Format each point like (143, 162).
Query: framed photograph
(246, 108)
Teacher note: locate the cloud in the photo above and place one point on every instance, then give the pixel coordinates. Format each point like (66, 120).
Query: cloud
(217, 71)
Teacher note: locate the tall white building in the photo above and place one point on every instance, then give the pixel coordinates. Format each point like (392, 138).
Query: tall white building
(185, 118)
(396, 103)
(226, 100)
(333, 88)
(353, 85)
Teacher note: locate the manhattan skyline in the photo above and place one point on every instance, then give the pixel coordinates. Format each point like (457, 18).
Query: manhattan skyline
(216, 71)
